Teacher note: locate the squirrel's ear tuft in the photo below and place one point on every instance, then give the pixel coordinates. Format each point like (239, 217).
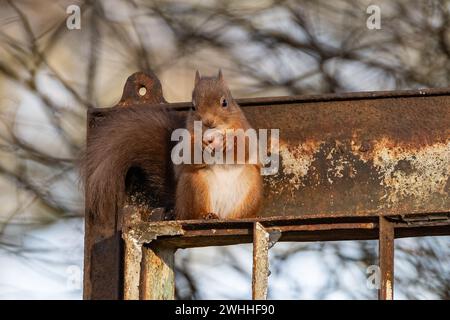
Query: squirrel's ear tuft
(197, 77)
(220, 75)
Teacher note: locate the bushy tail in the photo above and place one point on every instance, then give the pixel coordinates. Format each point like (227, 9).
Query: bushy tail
(134, 140)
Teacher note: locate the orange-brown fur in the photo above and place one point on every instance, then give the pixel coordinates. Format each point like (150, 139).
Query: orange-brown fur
(192, 183)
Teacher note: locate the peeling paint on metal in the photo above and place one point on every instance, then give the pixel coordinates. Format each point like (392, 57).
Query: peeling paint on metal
(132, 263)
(145, 232)
(414, 172)
(297, 160)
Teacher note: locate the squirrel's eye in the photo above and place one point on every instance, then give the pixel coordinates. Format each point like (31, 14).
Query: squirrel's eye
(224, 102)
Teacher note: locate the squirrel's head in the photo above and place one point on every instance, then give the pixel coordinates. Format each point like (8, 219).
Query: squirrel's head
(213, 104)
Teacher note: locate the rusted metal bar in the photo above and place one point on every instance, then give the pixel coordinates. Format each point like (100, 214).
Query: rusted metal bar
(157, 273)
(386, 256)
(260, 273)
(103, 277)
(132, 268)
(326, 97)
(317, 218)
(197, 233)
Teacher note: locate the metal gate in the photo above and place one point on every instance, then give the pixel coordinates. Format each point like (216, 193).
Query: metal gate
(353, 166)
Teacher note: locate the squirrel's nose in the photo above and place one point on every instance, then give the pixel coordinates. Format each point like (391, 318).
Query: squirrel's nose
(209, 123)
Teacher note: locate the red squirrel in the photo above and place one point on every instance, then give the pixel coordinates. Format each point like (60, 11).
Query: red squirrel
(139, 140)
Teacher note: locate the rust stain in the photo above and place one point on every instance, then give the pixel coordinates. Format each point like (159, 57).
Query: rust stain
(348, 174)
(296, 161)
(417, 173)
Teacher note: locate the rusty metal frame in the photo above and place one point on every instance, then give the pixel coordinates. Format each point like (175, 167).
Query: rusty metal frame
(129, 256)
(162, 239)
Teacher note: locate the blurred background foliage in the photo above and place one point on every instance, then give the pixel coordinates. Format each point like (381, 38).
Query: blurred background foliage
(50, 76)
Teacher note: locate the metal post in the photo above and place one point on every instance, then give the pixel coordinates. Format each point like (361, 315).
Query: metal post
(132, 268)
(157, 273)
(260, 262)
(386, 256)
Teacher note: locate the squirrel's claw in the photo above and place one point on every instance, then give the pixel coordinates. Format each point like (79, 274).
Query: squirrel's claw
(210, 216)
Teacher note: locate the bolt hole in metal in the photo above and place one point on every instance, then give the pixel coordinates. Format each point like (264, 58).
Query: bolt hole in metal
(142, 91)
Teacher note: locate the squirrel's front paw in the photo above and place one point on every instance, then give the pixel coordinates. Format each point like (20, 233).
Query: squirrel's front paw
(210, 215)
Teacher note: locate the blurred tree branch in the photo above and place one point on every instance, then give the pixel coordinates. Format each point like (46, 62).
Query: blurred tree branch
(276, 47)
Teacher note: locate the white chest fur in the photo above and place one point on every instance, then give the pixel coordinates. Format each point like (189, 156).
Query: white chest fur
(228, 188)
